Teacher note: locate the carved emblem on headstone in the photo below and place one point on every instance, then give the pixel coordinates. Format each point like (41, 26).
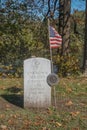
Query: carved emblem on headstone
(52, 79)
(35, 64)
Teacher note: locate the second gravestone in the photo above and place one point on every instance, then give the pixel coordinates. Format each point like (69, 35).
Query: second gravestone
(37, 93)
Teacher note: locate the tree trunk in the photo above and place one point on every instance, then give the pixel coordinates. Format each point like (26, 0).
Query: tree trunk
(85, 44)
(64, 24)
(61, 16)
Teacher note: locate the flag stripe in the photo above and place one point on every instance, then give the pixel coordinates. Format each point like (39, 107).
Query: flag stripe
(55, 46)
(59, 39)
(58, 43)
(55, 38)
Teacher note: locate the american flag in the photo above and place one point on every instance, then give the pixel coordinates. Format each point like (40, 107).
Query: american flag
(55, 39)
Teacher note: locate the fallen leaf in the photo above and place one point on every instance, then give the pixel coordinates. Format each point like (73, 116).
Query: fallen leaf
(69, 103)
(44, 128)
(10, 122)
(74, 114)
(37, 123)
(69, 90)
(8, 106)
(38, 118)
(84, 117)
(15, 116)
(49, 111)
(75, 129)
(58, 124)
(2, 87)
(2, 116)
(3, 127)
(27, 122)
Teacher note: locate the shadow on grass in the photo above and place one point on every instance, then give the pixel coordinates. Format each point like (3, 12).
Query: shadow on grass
(13, 95)
(14, 89)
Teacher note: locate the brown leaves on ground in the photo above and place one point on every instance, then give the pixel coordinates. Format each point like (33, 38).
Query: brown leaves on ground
(7, 106)
(69, 103)
(2, 116)
(49, 111)
(74, 114)
(39, 121)
(77, 128)
(71, 109)
(27, 122)
(2, 87)
(11, 122)
(3, 127)
(69, 90)
(45, 128)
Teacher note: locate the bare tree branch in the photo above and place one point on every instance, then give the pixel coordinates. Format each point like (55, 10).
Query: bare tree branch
(55, 2)
(48, 8)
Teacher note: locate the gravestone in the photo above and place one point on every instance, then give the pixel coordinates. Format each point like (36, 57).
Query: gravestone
(37, 92)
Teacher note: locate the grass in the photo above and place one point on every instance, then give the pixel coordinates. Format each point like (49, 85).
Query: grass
(69, 112)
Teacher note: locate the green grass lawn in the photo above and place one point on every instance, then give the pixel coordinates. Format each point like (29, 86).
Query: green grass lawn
(68, 110)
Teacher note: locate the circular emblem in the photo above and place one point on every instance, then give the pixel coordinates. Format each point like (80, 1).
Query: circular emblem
(52, 79)
(35, 64)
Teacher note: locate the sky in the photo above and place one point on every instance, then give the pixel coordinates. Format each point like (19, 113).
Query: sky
(77, 4)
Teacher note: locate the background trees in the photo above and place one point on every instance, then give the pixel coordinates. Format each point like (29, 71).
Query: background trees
(24, 32)
(85, 45)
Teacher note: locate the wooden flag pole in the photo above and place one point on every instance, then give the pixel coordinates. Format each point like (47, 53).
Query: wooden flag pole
(54, 91)
(50, 47)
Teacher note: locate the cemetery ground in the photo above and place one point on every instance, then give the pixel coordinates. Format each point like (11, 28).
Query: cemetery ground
(68, 110)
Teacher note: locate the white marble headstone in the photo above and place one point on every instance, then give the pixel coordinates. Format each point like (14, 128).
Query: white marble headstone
(37, 93)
